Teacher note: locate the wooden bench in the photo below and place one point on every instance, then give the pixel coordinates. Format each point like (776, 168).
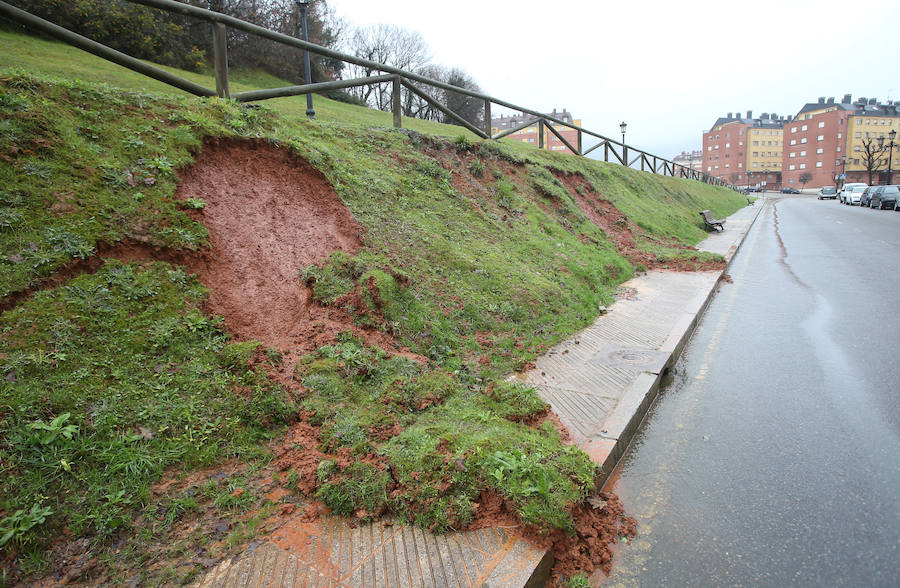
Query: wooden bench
(750, 201)
(712, 223)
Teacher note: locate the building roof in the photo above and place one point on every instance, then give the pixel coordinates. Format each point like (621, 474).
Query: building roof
(765, 121)
(861, 106)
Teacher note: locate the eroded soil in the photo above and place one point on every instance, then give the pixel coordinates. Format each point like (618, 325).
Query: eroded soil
(269, 215)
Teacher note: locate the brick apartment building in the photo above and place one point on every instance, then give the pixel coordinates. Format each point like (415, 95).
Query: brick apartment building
(530, 134)
(745, 150)
(826, 138)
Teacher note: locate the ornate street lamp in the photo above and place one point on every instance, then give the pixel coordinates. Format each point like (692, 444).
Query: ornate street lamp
(303, 5)
(622, 128)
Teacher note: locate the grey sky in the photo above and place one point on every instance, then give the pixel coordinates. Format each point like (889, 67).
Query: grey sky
(667, 68)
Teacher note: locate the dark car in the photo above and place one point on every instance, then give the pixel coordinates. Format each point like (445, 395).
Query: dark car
(886, 197)
(790, 191)
(866, 197)
(828, 192)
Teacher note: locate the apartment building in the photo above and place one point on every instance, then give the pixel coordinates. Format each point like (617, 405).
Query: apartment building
(690, 159)
(826, 139)
(530, 133)
(745, 150)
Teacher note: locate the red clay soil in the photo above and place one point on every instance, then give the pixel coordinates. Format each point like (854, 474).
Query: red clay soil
(621, 231)
(269, 215)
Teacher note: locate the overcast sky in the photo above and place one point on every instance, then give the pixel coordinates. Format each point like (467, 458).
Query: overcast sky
(668, 69)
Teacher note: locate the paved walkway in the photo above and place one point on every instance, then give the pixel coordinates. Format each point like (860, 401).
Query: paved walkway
(601, 383)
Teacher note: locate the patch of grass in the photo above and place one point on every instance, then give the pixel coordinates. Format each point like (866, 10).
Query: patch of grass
(456, 439)
(667, 254)
(579, 580)
(107, 381)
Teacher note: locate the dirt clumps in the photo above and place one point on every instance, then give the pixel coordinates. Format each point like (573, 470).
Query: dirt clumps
(598, 527)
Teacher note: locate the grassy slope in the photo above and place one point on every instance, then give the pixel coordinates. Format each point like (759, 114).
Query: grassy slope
(478, 285)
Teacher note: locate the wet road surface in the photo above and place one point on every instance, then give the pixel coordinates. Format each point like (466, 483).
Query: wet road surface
(772, 457)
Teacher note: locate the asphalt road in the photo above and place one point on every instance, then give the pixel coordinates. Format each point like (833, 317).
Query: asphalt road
(772, 458)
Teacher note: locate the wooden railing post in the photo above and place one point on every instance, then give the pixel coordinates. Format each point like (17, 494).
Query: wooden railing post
(395, 102)
(580, 146)
(487, 118)
(220, 59)
(541, 134)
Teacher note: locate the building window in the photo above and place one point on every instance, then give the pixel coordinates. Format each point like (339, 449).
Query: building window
(727, 165)
(818, 164)
(793, 129)
(755, 131)
(838, 135)
(859, 121)
(822, 124)
(755, 153)
(819, 151)
(793, 141)
(803, 140)
(803, 128)
(709, 147)
(756, 143)
(717, 147)
(802, 166)
(820, 138)
(792, 167)
(727, 145)
(708, 168)
(858, 135)
(792, 155)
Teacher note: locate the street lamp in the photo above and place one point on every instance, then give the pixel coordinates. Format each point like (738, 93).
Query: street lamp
(843, 170)
(892, 135)
(303, 5)
(622, 128)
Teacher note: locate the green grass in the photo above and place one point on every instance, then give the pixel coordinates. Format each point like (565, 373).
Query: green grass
(58, 59)
(109, 380)
(475, 256)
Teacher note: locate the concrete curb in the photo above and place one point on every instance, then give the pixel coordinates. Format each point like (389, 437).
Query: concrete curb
(628, 416)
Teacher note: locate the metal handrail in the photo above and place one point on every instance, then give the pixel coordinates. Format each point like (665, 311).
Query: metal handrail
(392, 74)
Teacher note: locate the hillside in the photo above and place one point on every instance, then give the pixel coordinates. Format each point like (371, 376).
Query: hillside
(216, 313)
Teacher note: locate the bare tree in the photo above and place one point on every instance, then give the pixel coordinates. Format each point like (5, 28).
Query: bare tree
(804, 178)
(872, 157)
(390, 45)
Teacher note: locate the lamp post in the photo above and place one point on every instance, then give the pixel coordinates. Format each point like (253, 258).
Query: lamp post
(843, 170)
(622, 128)
(303, 5)
(892, 135)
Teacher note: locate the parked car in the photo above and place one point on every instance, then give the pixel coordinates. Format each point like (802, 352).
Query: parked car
(886, 197)
(866, 196)
(828, 192)
(855, 194)
(845, 191)
(788, 190)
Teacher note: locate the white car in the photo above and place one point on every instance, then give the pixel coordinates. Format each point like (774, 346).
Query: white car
(848, 189)
(855, 194)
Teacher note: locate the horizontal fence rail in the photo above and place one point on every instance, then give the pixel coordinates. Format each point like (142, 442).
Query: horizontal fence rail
(619, 151)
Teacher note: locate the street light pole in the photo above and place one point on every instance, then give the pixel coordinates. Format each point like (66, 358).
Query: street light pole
(890, 147)
(303, 5)
(622, 128)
